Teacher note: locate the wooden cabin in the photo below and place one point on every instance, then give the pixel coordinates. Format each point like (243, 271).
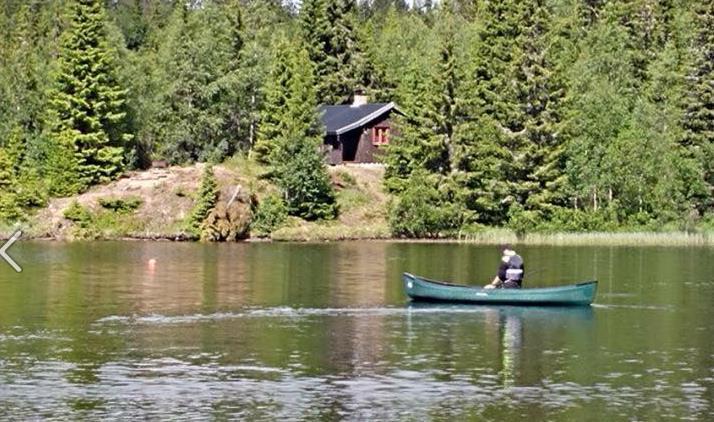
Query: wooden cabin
(356, 132)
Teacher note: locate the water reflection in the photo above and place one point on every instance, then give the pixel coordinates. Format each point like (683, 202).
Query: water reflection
(270, 331)
(511, 334)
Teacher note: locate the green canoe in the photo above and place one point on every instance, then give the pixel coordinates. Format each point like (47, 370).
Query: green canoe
(419, 288)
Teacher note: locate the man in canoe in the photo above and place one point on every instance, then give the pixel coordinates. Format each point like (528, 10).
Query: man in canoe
(510, 273)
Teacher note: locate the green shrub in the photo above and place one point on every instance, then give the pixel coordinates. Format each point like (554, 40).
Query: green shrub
(205, 201)
(78, 214)
(121, 205)
(9, 209)
(304, 180)
(269, 215)
(570, 220)
(31, 191)
(522, 221)
(422, 210)
(20, 188)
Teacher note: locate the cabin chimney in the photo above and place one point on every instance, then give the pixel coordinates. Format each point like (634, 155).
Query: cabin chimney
(359, 98)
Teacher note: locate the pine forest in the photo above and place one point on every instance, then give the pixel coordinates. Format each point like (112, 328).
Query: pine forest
(532, 115)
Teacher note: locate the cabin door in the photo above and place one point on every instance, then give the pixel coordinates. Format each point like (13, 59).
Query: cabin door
(350, 142)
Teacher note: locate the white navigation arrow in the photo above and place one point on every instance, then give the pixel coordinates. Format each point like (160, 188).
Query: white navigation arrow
(6, 246)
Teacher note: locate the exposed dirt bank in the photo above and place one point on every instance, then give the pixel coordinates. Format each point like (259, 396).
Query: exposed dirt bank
(166, 198)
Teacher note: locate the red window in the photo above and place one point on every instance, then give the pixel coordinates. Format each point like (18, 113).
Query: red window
(380, 135)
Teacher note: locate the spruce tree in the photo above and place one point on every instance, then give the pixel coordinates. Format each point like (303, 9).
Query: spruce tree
(26, 52)
(432, 96)
(260, 21)
(20, 185)
(295, 157)
(448, 83)
(206, 199)
(516, 103)
(409, 149)
(22, 75)
(698, 119)
(494, 110)
(9, 158)
(276, 91)
(328, 28)
(648, 24)
(494, 60)
(87, 105)
(236, 113)
(539, 161)
(430, 134)
(315, 30)
(345, 60)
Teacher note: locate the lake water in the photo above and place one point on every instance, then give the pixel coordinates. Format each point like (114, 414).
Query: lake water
(324, 332)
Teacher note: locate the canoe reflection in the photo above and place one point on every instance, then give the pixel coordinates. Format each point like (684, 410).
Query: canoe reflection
(555, 314)
(509, 332)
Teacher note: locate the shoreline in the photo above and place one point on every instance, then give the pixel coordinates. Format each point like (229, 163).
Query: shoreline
(167, 196)
(488, 237)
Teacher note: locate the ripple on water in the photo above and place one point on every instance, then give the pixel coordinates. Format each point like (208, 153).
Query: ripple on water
(43, 335)
(281, 312)
(639, 307)
(171, 386)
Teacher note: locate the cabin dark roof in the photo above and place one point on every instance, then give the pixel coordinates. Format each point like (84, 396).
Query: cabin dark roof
(339, 119)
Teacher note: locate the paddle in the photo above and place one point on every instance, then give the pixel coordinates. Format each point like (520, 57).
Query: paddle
(530, 273)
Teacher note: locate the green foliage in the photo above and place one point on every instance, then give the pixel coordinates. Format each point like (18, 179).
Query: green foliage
(306, 184)
(571, 220)
(295, 158)
(78, 214)
(9, 209)
(276, 91)
(533, 115)
(269, 215)
(698, 119)
(129, 17)
(121, 205)
(88, 117)
(206, 200)
(328, 28)
(263, 21)
(391, 44)
(101, 224)
(433, 95)
(197, 84)
(522, 221)
(540, 180)
(20, 187)
(422, 209)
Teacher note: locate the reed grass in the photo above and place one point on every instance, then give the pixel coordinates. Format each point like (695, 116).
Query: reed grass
(321, 232)
(497, 236)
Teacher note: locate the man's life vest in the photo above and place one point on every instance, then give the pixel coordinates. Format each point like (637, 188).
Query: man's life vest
(515, 268)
